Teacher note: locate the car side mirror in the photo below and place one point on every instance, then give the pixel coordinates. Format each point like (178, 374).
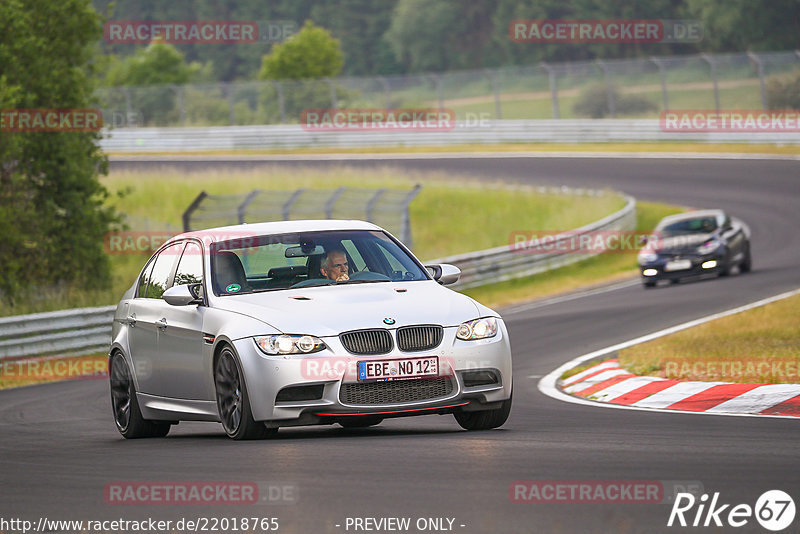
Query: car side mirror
(444, 273)
(183, 295)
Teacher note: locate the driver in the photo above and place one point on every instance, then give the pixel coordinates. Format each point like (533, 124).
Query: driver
(334, 266)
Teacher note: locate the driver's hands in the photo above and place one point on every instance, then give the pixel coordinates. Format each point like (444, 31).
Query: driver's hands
(343, 278)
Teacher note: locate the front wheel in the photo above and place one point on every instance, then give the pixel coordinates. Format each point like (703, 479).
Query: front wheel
(125, 406)
(232, 400)
(747, 263)
(484, 419)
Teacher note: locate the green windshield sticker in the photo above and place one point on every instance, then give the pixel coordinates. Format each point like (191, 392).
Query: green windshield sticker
(233, 288)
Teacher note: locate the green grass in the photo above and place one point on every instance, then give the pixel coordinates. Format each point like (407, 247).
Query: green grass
(761, 345)
(603, 268)
(448, 217)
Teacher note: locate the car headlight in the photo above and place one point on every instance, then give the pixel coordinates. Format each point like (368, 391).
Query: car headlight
(646, 256)
(289, 344)
(709, 246)
(477, 329)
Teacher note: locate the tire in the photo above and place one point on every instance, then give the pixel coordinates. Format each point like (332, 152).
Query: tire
(359, 421)
(747, 263)
(726, 268)
(233, 402)
(484, 419)
(125, 407)
(649, 284)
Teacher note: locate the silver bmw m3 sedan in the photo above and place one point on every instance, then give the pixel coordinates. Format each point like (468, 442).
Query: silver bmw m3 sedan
(269, 325)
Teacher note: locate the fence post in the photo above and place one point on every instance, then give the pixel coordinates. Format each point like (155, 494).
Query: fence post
(406, 238)
(713, 66)
(387, 91)
(332, 85)
(187, 215)
(179, 92)
(492, 75)
(437, 80)
(287, 207)
(553, 88)
(241, 209)
(128, 105)
(227, 88)
(373, 201)
(754, 57)
(662, 71)
(609, 91)
(331, 201)
(281, 106)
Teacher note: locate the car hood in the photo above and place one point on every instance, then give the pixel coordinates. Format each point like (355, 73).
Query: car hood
(329, 310)
(682, 244)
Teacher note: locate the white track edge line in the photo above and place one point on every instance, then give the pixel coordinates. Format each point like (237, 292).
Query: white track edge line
(547, 385)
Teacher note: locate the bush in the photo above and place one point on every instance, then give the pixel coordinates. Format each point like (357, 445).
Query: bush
(593, 103)
(783, 92)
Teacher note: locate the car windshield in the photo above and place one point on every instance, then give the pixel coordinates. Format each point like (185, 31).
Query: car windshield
(698, 225)
(307, 259)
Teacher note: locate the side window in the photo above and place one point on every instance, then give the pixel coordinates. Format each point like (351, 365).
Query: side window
(358, 262)
(140, 291)
(159, 277)
(190, 268)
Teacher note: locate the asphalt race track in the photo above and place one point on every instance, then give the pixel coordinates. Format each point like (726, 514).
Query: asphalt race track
(59, 448)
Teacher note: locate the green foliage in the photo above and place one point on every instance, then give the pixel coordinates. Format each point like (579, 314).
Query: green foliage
(310, 53)
(783, 92)
(52, 217)
(593, 102)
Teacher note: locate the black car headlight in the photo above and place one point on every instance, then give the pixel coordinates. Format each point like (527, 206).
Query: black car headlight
(477, 329)
(289, 344)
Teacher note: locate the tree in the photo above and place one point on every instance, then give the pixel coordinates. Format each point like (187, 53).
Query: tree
(52, 214)
(310, 53)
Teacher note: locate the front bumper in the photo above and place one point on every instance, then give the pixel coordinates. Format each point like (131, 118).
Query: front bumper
(657, 270)
(332, 371)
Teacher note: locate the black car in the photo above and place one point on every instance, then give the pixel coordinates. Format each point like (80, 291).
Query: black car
(695, 243)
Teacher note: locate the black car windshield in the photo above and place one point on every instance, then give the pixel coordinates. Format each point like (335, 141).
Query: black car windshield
(699, 225)
(283, 261)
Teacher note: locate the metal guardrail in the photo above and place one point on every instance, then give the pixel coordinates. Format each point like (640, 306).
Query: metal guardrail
(86, 330)
(65, 331)
(503, 263)
(387, 208)
(138, 140)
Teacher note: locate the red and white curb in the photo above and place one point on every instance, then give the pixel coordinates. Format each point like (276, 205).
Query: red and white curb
(608, 382)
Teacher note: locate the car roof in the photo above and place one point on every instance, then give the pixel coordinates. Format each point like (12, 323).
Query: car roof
(224, 233)
(695, 214)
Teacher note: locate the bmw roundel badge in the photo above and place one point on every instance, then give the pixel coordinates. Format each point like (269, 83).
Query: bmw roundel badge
(388, 320)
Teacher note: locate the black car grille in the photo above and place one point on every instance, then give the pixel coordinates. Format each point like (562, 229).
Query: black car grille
(367, 341)
(416, 338)
(395, 391)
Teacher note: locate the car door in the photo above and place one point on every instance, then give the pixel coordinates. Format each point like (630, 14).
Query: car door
(144, 312)
(183, 370)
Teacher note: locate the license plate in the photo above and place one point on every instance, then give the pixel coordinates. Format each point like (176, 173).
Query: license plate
(394, 369)
(678, 265)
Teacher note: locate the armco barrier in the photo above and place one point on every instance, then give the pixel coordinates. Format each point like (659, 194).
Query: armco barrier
(137, 140)
(86, 330)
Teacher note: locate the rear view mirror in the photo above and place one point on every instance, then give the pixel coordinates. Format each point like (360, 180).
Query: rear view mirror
(301, 252)
(182, 295)
(444, 273)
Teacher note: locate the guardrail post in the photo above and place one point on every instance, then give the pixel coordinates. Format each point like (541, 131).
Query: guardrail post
(760, 66)
(241, 210)
(553, 88)
(609, 89)
(663, 73)
(713, 66)
(331, 201)
(187, 215)
(287, 207)
(406, 223)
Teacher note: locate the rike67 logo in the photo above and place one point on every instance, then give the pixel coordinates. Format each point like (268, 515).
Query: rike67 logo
(774, 510)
